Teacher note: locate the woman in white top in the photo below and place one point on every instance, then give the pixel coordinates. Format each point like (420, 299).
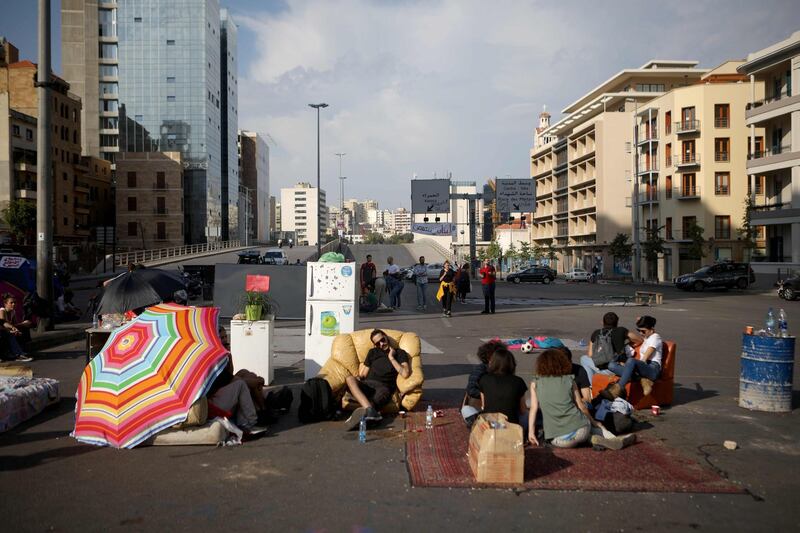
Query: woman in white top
(648, 366)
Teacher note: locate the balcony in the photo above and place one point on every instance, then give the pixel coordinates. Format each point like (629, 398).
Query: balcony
(26, 193)
(81, 208)
(160, 211)
(25, 166)
(686, 192)
(774, 213)
(562, 183)
(771, 107)
(722, 122)
(722, 157)
(81, 186)
(686, 160)
(648, 197)
(648, 168)
(687, 126)
(647, 136)
(774, 158)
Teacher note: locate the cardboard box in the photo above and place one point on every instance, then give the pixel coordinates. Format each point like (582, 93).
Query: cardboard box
(16, 370)
(495, 452)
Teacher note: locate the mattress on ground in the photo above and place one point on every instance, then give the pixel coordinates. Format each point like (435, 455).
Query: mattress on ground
(22, 398)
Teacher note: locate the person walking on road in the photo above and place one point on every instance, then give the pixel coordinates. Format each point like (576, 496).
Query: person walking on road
(367, 274)
(393, 283)
(463, 284)
(420, 272)
(488, 279)
(447, 288)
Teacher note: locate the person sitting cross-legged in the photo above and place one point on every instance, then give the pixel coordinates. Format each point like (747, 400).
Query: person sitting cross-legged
(377, 378)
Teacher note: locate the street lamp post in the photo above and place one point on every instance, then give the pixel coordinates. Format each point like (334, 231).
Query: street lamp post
(637, 257)
(319, 189)
(341, 189)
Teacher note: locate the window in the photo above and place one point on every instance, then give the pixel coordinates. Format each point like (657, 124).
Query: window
(687, 119)
(686, 223)
(668, 154)
(689, 186)
(759, 148)
(650, 87)
(759, 185)
(722, 114)
(110, 106)
(15, 130)
(688, 153)
(109, 123)
(109, 71)
(722, 227)
(28, 134)
(170, 79)
(64, 176)
(668, 122)
(109, 88)
(171, 98)
(170, 42)
(722, 184)
(108, 141)
(161, 231)
(161, 180)
(722, 148)
(137, 19)
(131, 203)
(131, 229)
(108, 51)
(131, 180)
(161, 205)
(668, 229)
(66, 200)
(66, 221)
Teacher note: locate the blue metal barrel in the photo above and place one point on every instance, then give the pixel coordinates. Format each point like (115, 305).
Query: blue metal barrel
(765, 382)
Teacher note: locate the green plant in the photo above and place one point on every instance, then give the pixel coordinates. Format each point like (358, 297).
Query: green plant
(695, 234)
(493, 251)
(20, 215)
(620, 247)
(747, 232)
(525, 252)
(257, 298)
(654, 244)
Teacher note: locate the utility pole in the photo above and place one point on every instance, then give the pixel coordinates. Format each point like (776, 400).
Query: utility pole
(340, 155)
(637, 263)
(44, 172)
(319, 189)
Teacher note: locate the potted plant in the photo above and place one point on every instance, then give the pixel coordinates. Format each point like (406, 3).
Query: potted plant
(256, 305)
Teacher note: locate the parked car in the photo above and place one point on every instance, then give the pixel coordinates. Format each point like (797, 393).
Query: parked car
(577, 274)
(275, 256)
(721, 275)
(433, 271)
(789, 288)
(541, 274)
(249, 257)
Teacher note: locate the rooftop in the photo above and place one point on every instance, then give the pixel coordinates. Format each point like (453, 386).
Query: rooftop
(770, 55)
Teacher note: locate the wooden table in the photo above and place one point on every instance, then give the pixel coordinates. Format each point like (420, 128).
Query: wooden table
(95, 340)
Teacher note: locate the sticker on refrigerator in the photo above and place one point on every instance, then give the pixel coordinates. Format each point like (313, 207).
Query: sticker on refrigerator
(347, 271)
(328, 324)
(347, 309)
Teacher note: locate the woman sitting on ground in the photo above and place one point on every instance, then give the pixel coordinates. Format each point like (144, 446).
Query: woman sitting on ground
(472, 399)
(648, 365)
(501, 390)
(566, 419)
(14, 328)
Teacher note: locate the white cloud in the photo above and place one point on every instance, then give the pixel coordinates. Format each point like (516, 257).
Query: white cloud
(423, 86)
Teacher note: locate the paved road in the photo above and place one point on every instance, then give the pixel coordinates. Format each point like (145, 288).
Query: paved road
(317, 477)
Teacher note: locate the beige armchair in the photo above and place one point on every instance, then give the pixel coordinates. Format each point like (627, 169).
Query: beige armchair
(350, 349)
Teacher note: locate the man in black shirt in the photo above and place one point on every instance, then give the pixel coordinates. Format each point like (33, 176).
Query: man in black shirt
(620, 338)
(377, 378)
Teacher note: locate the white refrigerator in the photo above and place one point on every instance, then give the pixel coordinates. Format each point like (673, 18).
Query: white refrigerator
(331, 309)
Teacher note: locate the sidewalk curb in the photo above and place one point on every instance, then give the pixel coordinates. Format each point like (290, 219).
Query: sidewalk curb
(52, 341)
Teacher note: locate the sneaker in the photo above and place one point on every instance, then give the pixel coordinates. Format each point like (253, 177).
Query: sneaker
(24, 358)
(484, 312)
(647, 386)
(256, 430)
(355, 418)
(449, 314)
(616, 443)
(372, 415)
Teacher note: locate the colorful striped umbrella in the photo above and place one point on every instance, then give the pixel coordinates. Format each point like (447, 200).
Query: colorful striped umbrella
(148, 375)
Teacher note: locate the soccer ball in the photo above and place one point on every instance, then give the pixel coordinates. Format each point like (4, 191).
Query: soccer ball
(527, 347)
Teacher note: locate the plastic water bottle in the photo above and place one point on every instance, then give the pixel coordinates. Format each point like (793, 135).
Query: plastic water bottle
(94, 321)
(429, 418)
(783, 324)
(770, 323)
(582, 343)
(362, 430)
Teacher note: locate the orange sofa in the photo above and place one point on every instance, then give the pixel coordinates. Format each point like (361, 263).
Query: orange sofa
(663, 388)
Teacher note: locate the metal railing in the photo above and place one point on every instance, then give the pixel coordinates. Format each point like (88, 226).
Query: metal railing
(774, 206)
(722, 156)
(146, 256)
(687, 126)
(645, 135)
(686, 160)
(721, 190)
(687, 191)
(648, 197)
(160, 211)
(645, 168)
(769, 99)
(721, 122)
(773, 150)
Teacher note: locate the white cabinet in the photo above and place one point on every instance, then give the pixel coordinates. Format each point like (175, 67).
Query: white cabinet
(251, 347)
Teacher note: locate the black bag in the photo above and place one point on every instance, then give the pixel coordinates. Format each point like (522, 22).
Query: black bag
(316, 401)
(603, 349)
(280, 400)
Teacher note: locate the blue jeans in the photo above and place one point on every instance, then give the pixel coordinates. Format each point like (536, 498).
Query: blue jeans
(589, 366)
(645, 369)
(421, 299)
(395, 289)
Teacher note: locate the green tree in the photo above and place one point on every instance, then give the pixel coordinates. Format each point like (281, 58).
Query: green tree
(373, 238)
(537, 253)
(551, 251)
(403, 238)
(20, 215)
(695, 234)
(747, 232)
(525, 252)
(510, 255)
(620, 247)
(493, 251)
(653, 244)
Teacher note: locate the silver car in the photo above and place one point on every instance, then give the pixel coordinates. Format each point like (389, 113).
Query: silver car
(577, 274)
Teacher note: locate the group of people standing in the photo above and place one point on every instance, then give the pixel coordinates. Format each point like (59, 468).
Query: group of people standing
(557, 406)
(454, 283)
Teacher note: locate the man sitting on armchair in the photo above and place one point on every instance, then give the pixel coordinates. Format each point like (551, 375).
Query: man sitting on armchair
(377, 379)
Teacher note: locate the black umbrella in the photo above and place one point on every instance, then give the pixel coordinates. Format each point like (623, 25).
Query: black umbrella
(140, 288)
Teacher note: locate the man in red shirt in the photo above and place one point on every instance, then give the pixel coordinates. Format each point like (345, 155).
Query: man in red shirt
(368, 271)
(488, 277)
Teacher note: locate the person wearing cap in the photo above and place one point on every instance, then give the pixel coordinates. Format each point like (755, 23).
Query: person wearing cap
(648, 366)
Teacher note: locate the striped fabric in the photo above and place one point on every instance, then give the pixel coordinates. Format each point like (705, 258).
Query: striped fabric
(148, 375)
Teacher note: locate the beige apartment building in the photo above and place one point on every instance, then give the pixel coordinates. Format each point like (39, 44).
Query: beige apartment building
(150, 207)
(774, 166)
(692, 146)
(584, 174)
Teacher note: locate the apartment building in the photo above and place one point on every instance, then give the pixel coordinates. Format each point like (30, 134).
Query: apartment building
(691, 148)
(254, 176)
(774, 165)
(149, 200)
(401, 221)
(17, 157)
(16, 83)
(304, 212)
(584, 175)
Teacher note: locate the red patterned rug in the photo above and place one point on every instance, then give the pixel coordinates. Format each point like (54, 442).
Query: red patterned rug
(438, 458)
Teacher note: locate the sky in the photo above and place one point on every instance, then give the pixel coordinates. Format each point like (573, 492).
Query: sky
(431, 87)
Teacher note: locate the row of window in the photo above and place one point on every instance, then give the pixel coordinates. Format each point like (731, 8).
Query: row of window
(15, 131)
(722, 227)
(161, 204)
(161, 230)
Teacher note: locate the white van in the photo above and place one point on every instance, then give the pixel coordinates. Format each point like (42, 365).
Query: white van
(274, 256)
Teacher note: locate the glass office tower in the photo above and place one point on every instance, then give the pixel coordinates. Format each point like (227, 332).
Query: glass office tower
(170, 98)
(229, 108)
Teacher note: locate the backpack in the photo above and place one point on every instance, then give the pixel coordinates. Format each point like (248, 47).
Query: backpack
(603, 352)
(316, 401)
